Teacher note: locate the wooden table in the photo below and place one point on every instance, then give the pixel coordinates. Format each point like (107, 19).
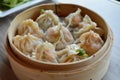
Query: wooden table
(110, 12)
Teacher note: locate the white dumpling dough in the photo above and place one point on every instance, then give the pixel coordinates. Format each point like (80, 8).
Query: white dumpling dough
(59, 36)
(29, 26)
(91, 42)
(73, 19)
(46, 52)
(26, 43)
(47, 19)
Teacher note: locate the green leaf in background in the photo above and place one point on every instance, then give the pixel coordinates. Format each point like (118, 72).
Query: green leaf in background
(1, 1)
(8, 4)
(20, 2)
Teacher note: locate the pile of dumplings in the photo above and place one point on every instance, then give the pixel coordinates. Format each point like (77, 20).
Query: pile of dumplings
(58, 40)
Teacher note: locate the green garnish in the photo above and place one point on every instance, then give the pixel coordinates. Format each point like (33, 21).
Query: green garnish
(42, 11)
(82, 52)
(8, 4)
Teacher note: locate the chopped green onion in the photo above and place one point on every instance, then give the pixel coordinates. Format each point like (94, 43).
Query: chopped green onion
(42, 11)
(82, 52)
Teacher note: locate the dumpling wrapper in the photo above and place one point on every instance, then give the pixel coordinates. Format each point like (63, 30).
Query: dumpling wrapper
(29, 26)
(73, 19)
(91, 42)
(86, 25)
(27, 43)
(46, 52)
(59, 36)
(47, 19)
(69, 54)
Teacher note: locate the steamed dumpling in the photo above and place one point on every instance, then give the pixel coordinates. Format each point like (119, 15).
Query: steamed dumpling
(73, 19)
(29, 26)
(70, 54)
(46, 52)
(59, 36)
(86, 25)
(91, 42)
(53, 40)
(47, 19)
(26, 43)
(52, 34)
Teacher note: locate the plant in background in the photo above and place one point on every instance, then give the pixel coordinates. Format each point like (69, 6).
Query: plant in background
(8, 4)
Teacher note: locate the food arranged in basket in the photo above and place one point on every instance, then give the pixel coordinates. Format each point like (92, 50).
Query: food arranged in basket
(53, 39)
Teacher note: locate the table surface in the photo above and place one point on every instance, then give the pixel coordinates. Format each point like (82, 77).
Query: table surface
(108, 10)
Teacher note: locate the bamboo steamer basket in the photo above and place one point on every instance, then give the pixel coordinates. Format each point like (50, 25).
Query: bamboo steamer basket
(92, 68)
